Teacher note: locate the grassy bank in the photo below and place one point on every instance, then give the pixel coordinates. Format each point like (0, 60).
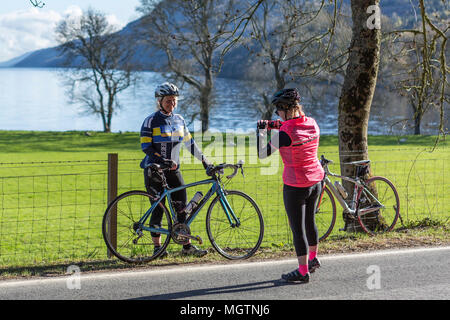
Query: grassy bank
(419, 234)
(53, 188)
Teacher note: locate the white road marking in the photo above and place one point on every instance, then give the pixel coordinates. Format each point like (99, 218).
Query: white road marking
(168, 270)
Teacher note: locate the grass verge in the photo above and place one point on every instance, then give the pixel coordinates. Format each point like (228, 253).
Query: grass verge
(424, 233)
(51, 210)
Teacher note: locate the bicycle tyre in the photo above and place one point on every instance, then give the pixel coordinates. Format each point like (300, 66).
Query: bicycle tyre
(131, 206)
(384, 219)
(223, 236)
(325, 216)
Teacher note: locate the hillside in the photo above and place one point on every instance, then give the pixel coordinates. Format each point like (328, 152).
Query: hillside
(235, 61)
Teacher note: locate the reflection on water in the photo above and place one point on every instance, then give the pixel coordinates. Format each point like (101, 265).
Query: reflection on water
(35, 99)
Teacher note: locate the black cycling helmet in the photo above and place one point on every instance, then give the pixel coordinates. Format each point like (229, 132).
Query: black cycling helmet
(166, 89)
(286, 98)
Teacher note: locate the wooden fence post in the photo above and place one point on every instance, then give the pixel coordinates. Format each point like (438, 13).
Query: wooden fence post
(113, 165)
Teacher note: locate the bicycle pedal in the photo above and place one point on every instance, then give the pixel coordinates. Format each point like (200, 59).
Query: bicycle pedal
(200, 241)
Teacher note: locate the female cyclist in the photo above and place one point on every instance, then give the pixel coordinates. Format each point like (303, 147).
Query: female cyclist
(162, 135)
(298, 141)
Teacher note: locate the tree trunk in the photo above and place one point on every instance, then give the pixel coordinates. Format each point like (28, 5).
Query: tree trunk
(104, 119)
(204, 108)
(205, 96)
(418, 113)
(268, 108)
(417, 120)
(204, 115)
(357, 91)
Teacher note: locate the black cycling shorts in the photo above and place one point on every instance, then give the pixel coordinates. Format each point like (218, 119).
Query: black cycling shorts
(300, 207)
(154, 185)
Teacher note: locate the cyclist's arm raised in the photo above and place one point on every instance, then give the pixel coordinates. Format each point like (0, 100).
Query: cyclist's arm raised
(278, 140)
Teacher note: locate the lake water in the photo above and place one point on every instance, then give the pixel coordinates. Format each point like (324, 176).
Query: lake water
(35, 99)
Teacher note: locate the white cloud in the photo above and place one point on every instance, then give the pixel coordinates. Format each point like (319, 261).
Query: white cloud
(27, 30)
(23, 31)
(113, 20)
(74, 11)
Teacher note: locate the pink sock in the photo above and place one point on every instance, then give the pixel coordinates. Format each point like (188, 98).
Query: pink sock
(303, 269)
(312, 255)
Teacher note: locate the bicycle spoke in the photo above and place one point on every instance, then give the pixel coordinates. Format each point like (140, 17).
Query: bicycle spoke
(131, 247)
(235, 241)
(384, 217)
(325, 216)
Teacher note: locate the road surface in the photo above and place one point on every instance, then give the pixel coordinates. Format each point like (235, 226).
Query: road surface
(421, 273)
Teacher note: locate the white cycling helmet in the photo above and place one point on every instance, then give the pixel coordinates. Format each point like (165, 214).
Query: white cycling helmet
(166, 89)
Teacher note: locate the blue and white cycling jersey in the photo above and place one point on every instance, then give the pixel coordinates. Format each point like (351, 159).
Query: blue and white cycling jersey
(162, 137)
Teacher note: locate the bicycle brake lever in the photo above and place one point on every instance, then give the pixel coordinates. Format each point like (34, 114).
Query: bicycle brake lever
(241, 165)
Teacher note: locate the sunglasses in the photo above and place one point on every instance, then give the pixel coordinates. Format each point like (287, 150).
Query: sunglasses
(277, 111)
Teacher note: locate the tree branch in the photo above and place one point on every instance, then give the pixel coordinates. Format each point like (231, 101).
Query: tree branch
(37, 3)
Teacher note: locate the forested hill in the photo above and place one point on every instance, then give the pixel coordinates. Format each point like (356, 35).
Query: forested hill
(405, 10)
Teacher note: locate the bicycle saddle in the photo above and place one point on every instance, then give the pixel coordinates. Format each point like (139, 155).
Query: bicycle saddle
(358, 163)
(158, 166)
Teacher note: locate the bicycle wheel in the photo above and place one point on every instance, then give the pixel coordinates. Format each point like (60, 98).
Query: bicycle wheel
(325, 214)
(239, 241)
(378, 206)
(125, 243)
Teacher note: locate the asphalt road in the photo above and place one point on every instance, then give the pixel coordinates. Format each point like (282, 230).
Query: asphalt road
(383, 275)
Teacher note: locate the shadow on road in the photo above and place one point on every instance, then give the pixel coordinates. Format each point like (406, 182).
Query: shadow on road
(217, 291)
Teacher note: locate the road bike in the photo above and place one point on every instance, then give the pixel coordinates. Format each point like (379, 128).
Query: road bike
(234, 223)
(374, 203)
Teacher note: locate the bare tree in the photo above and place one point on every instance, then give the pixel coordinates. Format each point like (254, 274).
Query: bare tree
(358, 88)
(190, 32)
(420, 69)
(292, 42)
(102, 63)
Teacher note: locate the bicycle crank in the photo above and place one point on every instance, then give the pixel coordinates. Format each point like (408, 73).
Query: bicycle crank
(181, 234)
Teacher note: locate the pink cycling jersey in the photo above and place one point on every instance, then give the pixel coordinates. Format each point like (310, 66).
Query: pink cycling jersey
(301, 165)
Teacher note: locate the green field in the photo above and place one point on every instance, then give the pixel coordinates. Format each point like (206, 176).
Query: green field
(53, 186)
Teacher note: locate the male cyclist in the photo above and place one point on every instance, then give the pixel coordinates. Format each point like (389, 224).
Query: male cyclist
(162, 135)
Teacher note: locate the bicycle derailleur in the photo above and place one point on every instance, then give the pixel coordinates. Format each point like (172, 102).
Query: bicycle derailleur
(138, 231)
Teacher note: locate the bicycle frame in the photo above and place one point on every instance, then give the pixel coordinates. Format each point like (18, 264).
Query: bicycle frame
(338, 196)
(359, 187)
(216, 188)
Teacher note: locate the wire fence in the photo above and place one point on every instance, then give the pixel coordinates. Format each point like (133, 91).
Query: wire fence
(52, 211)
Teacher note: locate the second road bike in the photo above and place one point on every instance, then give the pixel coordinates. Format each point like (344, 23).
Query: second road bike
(374, 204)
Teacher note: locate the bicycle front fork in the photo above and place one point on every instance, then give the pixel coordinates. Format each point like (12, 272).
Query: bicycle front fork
(228, 210)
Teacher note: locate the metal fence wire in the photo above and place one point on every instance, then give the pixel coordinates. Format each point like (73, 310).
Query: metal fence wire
(52, 211)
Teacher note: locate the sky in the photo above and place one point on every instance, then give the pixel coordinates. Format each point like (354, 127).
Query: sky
(24, 28)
